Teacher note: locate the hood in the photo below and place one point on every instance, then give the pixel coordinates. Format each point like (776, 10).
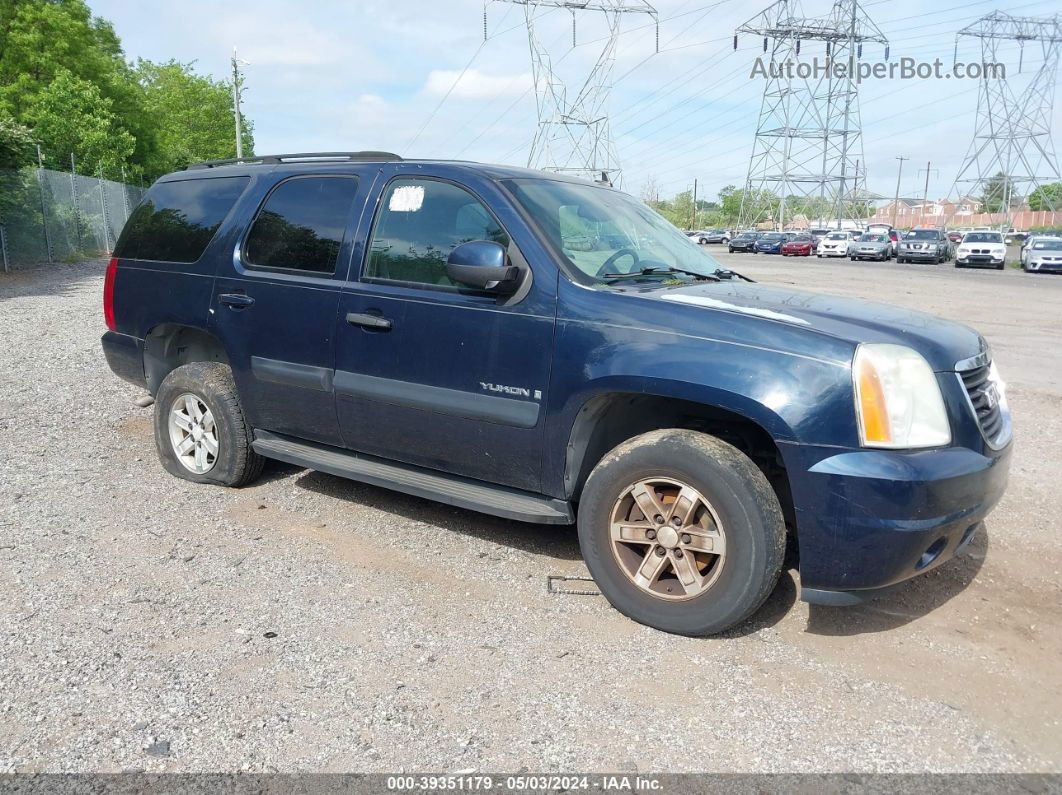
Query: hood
(941, 342)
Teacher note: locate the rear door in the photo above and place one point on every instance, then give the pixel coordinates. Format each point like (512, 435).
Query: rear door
(275, 305)
(447, 378)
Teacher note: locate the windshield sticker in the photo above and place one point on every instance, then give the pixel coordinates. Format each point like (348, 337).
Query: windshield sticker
(700, 300)
(406, 199)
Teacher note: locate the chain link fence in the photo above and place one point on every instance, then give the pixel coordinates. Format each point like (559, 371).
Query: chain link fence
(52, 216)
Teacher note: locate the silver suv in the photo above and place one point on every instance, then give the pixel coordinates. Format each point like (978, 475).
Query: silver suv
(924, 245)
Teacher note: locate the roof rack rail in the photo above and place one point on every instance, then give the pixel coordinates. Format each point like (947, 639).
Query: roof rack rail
(300, 157)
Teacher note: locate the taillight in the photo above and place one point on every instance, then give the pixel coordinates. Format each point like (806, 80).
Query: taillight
(108, 293)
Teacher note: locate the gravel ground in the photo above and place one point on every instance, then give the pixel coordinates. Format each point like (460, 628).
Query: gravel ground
(310, 623)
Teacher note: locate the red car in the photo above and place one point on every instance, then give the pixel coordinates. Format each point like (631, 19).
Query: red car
(801, 246)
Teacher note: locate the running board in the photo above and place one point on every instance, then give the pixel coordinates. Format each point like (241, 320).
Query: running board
(418, 481)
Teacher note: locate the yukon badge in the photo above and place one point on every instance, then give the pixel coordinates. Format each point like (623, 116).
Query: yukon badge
(518, 391)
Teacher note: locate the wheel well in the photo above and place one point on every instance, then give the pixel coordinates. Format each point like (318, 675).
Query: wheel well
(168, 346)
(608, 420)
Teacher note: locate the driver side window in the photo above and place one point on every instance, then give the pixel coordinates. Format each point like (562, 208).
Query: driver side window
(419, 223)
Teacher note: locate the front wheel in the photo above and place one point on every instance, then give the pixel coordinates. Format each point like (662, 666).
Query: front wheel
(200, 431)
(681, 532)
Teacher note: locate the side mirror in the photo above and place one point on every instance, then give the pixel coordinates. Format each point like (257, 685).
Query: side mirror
(480, 264)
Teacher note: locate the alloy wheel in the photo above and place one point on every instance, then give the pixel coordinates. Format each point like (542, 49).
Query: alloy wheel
(667, 539)
(193, 434)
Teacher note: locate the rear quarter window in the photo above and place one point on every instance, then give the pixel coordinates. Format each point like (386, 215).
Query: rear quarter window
(176, 221)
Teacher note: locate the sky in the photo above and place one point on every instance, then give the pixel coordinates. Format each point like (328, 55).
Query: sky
(416, 77)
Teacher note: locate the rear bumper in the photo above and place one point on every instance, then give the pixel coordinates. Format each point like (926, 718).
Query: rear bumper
(125, 356)
(870, 519)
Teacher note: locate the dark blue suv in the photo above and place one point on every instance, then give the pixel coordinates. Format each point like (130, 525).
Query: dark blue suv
(550, 350)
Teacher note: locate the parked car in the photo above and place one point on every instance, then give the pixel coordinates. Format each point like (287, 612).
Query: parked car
(872, 245)
(835, 244)
(1027, 245)
(771, 242)
(955, 237)
(924, 245)
(746, 242)
(818, 234)
(1045, 255)
(698, 236)
(1014, 238)
(422, 326)
(799, 246)
(717, 236)
(981, 250)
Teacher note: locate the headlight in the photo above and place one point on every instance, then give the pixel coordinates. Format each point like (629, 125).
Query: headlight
(898, 400)
(963, 250)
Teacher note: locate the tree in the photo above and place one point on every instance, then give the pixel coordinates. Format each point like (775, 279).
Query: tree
(1046, 197)
(71, 116)
(999, 189)
(16, 144)
(191, 115)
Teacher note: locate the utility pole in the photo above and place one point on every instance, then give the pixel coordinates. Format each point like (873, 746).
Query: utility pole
(925, 193)
(693, 226)
(896, 199)
(237, 95)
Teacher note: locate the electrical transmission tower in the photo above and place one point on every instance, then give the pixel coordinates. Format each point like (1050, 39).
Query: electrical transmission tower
(573, 134)
(1012, 154)
(808, 149)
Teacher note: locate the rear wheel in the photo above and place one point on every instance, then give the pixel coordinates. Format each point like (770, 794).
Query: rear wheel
(200, 430)
(681, 532)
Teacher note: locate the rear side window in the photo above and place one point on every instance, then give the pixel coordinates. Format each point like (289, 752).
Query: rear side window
(301, 225)
(177, 220)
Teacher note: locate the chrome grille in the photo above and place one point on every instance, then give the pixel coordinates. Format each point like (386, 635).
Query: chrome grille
(985, 400)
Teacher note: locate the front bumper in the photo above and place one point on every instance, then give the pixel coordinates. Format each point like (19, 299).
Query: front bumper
(920, 253)
(832, 252)
(1044, 267)
(979, 261)
(870, 519)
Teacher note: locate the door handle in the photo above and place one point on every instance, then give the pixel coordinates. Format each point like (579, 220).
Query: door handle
(236, 300)
(369, 321)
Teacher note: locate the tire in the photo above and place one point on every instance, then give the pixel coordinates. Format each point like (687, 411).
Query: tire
(725, 241)
(235, 462)
(900, 260)
(1000, 267)
(703, 241)
(731, 251)
(748, 514)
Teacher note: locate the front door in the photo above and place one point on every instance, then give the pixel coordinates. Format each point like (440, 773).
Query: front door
(430, 373)
(275, 308)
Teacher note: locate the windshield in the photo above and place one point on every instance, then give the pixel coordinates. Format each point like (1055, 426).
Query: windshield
(601, 231)
(1050, 245)
(983, 237)
(838, 236)
(872, 238)
(923, 234)
(801, 239)
(773, 236)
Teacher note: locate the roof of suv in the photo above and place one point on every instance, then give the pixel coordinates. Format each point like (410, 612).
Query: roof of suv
(333, 159)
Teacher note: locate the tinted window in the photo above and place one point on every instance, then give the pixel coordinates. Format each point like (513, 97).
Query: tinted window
(176, 220)
(301, 225)
(983, 237)
(420, 222)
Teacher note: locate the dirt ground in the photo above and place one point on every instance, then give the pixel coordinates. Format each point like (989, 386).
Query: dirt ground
(405, 635)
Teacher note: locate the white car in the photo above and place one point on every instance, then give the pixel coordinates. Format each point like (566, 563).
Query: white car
(834, 244)
(1045, 254)
(981, 250)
